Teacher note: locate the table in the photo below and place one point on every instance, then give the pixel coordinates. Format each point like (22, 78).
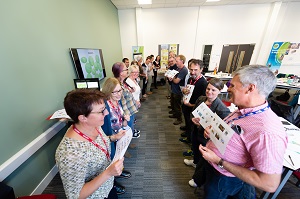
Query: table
(289, 164)
(221, 76)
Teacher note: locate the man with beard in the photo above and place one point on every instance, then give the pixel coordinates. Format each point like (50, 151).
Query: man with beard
(200, 83)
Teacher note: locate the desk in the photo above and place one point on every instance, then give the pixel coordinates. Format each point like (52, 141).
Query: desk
(283, 85)
(223, 76)
(288, 166)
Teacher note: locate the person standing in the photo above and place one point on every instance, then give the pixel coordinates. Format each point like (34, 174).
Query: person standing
(199, 82)
(83, 155)
(125, 60)
(176, 95)
(145, 79)
(150, 74)
(254, 154)
(156, 64)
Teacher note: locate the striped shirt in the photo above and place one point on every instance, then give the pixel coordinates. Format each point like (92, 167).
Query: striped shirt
(260, 146)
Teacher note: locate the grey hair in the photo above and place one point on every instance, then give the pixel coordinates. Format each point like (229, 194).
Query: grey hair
(259, 75)
(138, 58)
(132, 67)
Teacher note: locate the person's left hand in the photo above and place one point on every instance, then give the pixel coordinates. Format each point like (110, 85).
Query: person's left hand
(127, 118)
(209, 155)
(120, 134)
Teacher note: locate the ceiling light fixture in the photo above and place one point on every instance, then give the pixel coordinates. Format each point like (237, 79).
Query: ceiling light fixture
(212, 0)
(143, 2)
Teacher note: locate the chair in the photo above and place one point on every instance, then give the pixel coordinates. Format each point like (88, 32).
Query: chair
(283, 110)
(297, 175)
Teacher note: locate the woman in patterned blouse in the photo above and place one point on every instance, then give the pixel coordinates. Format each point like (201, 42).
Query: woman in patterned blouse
(83, 155)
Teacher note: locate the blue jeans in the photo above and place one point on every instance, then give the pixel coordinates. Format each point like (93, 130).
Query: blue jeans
(218, 186)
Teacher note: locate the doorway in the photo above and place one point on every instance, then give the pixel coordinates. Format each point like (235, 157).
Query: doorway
(235, 56)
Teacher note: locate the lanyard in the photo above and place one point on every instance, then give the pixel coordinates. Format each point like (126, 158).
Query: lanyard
(248, 114)
(92, 141)
(194, 82)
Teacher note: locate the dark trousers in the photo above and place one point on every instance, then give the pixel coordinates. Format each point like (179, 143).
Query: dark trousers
(220, 186)
(112, 194)
(144, 86)
(186, 110)
(176, 105)
(197, 138)
(154, 79)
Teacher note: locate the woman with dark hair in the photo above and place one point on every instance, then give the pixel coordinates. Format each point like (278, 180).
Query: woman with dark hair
(156, 64)
(83, 155)
(211, 99)
(129, 105)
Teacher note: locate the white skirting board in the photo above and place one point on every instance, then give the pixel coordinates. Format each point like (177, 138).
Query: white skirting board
(45, 182)
(19, 158)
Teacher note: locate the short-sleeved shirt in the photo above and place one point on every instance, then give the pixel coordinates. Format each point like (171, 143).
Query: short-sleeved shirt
(260, 146)
(79, 162)
(181, 75)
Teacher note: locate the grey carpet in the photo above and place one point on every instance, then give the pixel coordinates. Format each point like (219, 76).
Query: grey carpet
(157, 164)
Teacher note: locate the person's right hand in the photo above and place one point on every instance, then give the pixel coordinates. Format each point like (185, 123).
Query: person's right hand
(196, 121)
(116, 168)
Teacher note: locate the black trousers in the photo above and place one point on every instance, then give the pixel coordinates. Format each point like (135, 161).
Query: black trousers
(144, 86)
(186, 110)
(154, 79)
(176, 105)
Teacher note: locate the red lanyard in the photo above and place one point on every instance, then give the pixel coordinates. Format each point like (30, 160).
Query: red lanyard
(92, 141)
(195, 80)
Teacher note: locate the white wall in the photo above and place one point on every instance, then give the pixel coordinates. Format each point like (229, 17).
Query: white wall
(194, 27)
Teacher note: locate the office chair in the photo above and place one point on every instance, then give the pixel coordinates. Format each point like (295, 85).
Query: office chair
(283, 110)
(42, 196)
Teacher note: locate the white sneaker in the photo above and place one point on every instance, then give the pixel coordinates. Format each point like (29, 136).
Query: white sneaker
(189, 163)
(192, 183)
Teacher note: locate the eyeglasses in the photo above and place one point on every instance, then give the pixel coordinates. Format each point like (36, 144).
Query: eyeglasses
(134, 72)
(116, 92)
(100, 112)
(125, 70)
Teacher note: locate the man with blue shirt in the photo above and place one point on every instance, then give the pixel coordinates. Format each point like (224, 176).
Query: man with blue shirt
(176, 83)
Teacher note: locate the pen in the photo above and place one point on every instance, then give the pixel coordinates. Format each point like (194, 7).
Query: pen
(291, 160)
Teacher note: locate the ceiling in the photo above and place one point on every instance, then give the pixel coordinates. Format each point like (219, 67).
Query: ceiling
(129, 4)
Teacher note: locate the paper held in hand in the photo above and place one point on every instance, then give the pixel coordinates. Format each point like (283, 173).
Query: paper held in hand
(171, 73)
(130, 83)
(122, 145)
(186, 98)
(220, 132)
(59, 114)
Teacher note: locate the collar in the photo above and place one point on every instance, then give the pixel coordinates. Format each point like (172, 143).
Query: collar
(249, 110)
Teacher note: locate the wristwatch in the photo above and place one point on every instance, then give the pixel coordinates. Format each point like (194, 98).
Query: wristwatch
(220, 164)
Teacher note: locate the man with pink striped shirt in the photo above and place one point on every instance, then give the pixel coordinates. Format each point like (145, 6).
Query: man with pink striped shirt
(254, 154)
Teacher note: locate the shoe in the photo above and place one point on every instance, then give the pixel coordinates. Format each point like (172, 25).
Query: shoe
(169, 106)
(143, 99)
(136, 131)
(125, 174)
(184, 134)
(183, 128)
(136, 134)
(177, 122)
(185, 140)
(192, 183)
(172, 116)
(134, 121)
(145, 95)
(149, 93)
(155, 88)
(189, 153)
(189, 163)
(168, 97)
(171, 112)
(119, 188)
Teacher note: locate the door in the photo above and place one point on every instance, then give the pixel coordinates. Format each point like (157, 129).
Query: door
(235, 56)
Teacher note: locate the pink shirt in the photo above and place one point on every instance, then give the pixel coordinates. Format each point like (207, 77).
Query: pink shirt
(261, 146)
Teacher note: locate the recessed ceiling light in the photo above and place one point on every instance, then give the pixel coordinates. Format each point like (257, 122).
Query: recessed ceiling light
(143, 2)
(212, 0)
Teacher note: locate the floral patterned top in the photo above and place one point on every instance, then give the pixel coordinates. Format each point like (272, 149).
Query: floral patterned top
(80, 162)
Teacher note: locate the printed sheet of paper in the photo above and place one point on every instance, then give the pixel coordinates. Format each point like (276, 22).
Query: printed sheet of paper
(220, 133)
(130, 83)
(188, 96)
(205, 115)
(122, 145)
(60, 114)
(171, 73)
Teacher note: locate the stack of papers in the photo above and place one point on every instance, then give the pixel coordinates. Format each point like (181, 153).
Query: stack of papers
(186, 98)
